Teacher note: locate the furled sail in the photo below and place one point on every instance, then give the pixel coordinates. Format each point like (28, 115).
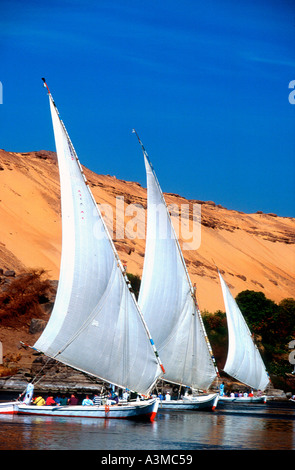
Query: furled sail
(95, 325)
(167, 298)
(243, 362)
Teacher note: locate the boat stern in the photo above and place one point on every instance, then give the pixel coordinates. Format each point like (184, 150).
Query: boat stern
(215, 402)
(9, 408)
(154, 411)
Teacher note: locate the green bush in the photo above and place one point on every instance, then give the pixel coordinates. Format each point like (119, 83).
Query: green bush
(273, 327)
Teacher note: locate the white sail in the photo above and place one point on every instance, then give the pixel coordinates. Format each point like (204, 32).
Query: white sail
(243, 362)
(167, 299)
(95, 325)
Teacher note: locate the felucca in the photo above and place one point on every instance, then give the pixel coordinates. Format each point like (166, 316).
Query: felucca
(168, 303)
(244, 361)
(96, 325)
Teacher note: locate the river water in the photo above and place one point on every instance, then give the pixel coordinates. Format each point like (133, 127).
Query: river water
(269, 426)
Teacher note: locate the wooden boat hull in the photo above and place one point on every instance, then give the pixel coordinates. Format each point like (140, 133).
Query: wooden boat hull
(240, 400)
(142, 410)
(195, 403)
(9, 408)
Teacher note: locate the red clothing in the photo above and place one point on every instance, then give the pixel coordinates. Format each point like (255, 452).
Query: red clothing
(50, 401)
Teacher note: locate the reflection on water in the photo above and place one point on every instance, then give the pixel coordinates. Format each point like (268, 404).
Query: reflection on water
(257, 427)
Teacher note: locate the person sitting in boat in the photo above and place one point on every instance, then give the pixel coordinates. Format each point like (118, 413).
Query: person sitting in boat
(63, 400)
(87, 401)
(167, 396)
(39, 401)
(97, 399)
(112, 399)
(73, 400)
(126, 395)
(57, 399)
(221, 389)
(250, 394)
(116, 398)
(29, 394)
(50, 401)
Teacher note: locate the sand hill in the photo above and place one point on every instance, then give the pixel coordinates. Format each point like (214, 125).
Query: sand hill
(255, 251)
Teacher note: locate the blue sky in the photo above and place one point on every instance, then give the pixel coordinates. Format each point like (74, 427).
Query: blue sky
(205, 84)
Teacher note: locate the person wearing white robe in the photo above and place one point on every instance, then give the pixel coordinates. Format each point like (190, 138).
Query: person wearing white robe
(29, 394)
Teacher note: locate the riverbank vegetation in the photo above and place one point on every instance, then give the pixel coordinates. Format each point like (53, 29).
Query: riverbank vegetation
(272, 326)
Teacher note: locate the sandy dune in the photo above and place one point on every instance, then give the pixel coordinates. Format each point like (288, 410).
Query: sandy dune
(255, 251)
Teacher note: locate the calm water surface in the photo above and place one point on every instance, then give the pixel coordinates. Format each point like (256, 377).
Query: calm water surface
(264, 427)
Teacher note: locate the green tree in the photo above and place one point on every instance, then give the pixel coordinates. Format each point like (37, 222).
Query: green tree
(260, 313)
(286, 319)
(273, 327)
(216, 328)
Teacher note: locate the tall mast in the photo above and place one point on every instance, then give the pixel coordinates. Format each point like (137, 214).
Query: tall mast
(82, 319)
(192, 290)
